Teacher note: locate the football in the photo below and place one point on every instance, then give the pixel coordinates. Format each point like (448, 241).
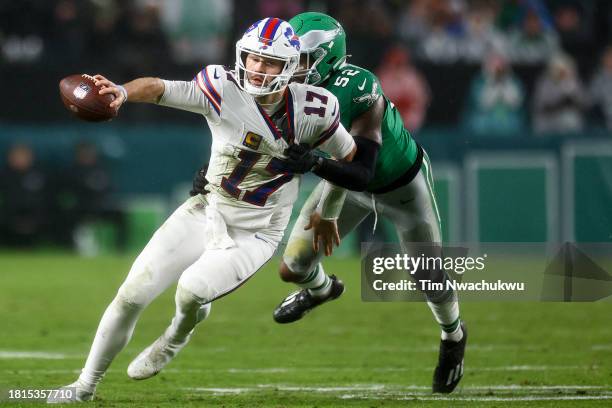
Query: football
(80, 96)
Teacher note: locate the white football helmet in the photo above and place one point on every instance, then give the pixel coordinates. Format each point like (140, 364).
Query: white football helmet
(271, 38)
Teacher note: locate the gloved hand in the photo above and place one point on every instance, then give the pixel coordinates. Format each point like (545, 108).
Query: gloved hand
(199, 182)
(301, 159)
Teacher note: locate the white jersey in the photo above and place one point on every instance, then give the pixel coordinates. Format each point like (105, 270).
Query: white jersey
(245, 175)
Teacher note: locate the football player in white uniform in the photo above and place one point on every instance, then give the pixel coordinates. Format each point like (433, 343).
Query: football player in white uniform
(215, 241)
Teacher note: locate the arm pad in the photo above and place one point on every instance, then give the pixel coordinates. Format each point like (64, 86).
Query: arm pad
(354, 175)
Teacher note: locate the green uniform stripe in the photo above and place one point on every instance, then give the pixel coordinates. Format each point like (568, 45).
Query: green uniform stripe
(449, 328)
(426, 167)
(326, 283)
(310, 277)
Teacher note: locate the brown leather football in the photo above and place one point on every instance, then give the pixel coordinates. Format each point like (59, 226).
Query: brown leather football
(80, 96)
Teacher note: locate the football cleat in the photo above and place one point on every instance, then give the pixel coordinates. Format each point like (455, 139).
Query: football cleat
(154, 358)
(68, 394)
(449, 371)
(297, 304)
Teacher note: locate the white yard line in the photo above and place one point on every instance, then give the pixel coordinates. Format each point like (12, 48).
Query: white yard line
(371, 387)
(36, 355)
(423, 393)
(496, 399)
(282, 370)
(535, 368)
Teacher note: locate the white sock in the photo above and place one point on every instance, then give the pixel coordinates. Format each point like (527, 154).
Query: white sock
(322, 290)
(455, 335)
(114, 332)
(447, 316)
(317, 282)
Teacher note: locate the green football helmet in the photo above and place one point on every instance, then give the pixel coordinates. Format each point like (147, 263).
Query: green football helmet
(323, 44)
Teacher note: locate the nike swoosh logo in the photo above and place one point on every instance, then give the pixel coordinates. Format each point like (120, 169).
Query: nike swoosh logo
(334, 112)
(215, 74)
(362, 86)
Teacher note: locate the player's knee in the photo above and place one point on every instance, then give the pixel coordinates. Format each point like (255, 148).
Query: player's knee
(127, 299)
(139, 289)
(187, 301)
(298, 259)
(287, 275)
(133, 295)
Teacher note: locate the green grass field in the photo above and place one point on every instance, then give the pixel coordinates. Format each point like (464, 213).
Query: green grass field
(347, 353)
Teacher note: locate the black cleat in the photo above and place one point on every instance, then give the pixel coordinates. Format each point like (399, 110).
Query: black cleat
(450, 364)
(297, 304)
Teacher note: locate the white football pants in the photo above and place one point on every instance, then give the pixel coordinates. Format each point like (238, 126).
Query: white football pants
(177, 252)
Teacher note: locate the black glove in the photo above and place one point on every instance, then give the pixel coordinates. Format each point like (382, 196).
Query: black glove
(199, 182)
(301, 159)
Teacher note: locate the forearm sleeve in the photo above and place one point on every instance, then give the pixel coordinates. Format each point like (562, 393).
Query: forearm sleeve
(354, 175)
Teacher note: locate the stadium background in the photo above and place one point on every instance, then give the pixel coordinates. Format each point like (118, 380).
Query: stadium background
(437, 50)
(527, 161)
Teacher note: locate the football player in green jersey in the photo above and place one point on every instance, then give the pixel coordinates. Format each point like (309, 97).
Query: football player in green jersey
(390, 174)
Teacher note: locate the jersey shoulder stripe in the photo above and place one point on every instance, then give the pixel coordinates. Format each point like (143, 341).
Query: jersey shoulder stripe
(210, 85)
(329, 132)
(209, 90)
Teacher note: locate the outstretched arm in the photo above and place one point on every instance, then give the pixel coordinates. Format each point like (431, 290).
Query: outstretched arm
(175, 94)
(139, 90)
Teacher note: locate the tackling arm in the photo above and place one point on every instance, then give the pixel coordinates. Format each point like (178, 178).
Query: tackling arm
(355, 174)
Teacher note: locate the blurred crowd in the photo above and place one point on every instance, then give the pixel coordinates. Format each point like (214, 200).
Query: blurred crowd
(49, 204)
(492, 66)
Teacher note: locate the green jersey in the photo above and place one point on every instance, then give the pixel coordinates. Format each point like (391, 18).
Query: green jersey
(357, 89)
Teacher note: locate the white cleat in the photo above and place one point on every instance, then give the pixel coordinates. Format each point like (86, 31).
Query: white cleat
(68, 394)
(154, 358)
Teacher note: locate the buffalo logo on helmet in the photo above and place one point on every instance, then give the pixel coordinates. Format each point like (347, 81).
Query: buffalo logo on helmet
(294, 40)
(251, 28)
